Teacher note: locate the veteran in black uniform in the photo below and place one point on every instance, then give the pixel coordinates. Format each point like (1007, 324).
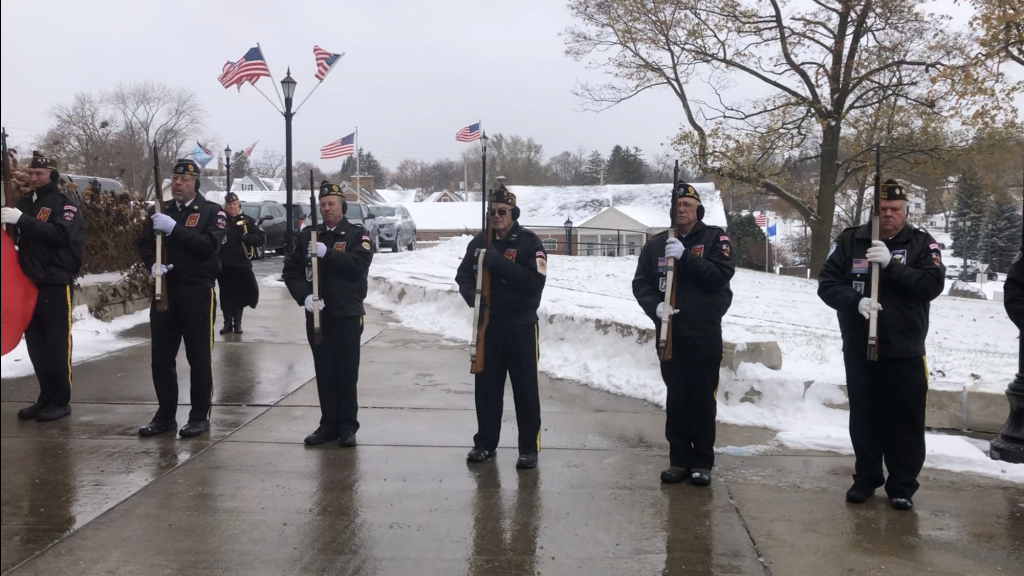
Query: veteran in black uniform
(704, 269)
(344, 253)
(50, 241)
(194, 232)
(1014, 290)
(519, 267)
(887, 397)
(238, 286)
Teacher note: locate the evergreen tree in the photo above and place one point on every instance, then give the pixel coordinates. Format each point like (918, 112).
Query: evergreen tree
(747, 240)
(368, 166)
(595, 169)
(626, 166)
(1002, 236)
(968, 216)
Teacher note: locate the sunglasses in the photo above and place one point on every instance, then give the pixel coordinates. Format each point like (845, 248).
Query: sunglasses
(499, 212)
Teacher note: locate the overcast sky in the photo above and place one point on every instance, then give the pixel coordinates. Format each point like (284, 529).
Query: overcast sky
(415, 72)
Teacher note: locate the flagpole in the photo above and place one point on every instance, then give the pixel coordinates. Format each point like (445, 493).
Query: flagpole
(767, 241)
(329, 70)
(359, 191)
(279, 98)
(265, 96)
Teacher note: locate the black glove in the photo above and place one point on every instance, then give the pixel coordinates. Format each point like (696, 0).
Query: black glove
(245, 238)
(493, 259)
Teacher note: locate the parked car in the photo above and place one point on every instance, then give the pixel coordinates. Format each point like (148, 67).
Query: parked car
(953, 271)
(971, 273)
(357, 212)
(271, 216)
(396, 227)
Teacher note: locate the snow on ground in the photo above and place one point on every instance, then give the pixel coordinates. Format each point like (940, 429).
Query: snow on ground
(91, 338)
(590, 325)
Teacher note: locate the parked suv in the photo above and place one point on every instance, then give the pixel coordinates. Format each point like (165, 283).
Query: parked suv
(357, 212)
(271, 216)
(395, 227)
(971, 273)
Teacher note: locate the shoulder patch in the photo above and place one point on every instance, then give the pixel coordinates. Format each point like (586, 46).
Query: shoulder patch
(44, 214)
(723, 238)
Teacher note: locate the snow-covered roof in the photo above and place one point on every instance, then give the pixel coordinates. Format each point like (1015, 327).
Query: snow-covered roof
(398, 196)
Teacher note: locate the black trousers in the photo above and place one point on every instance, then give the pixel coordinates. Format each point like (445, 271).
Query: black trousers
(48, 338)
(510, 351)
(336, 360)
(692, 378)
(190, 318)
(888, 399)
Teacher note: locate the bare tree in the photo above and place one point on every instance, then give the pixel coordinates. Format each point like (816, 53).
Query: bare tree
(84, 137)
(817, 64)
(519, 159)
(569, 168)
(270, 165)
(155, 114)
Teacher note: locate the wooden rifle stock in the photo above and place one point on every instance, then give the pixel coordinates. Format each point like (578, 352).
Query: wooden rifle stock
(314, 263)
(159, 279)
(665, 336)
(876, 271)
(482, 305)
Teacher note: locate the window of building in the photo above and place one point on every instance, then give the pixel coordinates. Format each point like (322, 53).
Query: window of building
(632, 248)
(550, 245)
(590, 248)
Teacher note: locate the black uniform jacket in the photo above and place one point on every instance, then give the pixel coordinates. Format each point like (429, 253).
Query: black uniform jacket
(241, 239)
(343, 270)
(51, 237)
(519, 268)
(914, 278)
(703, 295)
(1014, 288)
(193, 247)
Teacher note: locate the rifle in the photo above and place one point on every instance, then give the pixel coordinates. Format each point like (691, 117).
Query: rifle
(482, 306)
(665, 337)
(159, 280)
(8, 184)
(876, 210)
(314, 214)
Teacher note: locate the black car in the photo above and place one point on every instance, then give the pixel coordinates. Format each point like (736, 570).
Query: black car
(357, 212)
(971, 272)
(271, 216)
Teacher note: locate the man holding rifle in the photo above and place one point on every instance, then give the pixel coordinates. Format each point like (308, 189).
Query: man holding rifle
(887, 395)
(518, 265)
(50, 239)
(343, 254)
(193, 232)
(703, 269)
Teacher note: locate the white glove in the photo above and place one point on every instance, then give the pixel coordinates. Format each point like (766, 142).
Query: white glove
(11, 216)
(879, 253)
(309, 304)
(319, 249)
(163, 223)
(660, 313)
(163, 270)
(674, 248)
(865, 308)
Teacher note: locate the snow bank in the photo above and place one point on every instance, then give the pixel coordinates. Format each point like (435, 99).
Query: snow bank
(91, 338)
(592, 331)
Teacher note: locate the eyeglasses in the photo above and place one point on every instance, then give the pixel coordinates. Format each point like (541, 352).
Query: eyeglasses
(499, 212)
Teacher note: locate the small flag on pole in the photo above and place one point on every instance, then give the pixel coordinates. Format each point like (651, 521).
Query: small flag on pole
(325, 62)
(469, 133)
(248, 151)
(204, 149)
(339, 148)
(249, 69)
(772, 230)
(762, 220)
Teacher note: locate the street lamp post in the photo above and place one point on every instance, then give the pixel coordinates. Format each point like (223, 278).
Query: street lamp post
(568, 237)
(227, 156)
(288, 87)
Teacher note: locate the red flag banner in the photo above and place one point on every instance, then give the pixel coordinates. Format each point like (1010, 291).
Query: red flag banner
(17, 299)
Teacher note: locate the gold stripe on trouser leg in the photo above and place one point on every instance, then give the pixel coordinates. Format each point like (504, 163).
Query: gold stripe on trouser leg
(69, 334)
(209, 411)
(927, 381)
(536, 351)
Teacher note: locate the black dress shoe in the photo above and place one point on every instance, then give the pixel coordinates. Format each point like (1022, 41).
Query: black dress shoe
(527, 461)
(478, 456)
(348, 440)
(674, 475)
(903, 504)
(700, 478)
(320, 437)
(29, 413)
(195, 429)
(859, 494)
(156, 428)
(53, 413)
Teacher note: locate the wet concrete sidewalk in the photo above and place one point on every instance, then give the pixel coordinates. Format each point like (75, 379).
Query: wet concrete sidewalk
(86, 496)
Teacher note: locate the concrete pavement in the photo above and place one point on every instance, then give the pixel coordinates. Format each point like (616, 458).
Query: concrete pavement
(86, 496)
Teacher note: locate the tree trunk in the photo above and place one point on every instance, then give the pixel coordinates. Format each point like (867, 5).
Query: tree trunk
(821, 232)
(859, 213)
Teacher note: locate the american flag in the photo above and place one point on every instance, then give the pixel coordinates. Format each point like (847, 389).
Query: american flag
(325, 61)
(469, 133)
(205, 150)
(339, 148)
(248, 151)
(249, 69)
(762, 219)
